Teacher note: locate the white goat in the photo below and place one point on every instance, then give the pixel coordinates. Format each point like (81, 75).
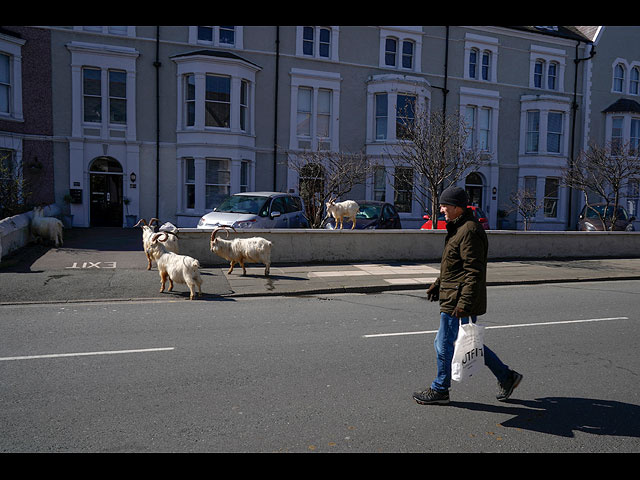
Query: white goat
(148, 230)
(242, 250)
(47, 228)
(340, 210)
(174, 267)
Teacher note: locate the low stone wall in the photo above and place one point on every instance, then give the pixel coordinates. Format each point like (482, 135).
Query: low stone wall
(318, 246)
(15, 232)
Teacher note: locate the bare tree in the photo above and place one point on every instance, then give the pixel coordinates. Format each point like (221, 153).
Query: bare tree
(13, 186)
(325, 176)
(432, 153)
(604, 171)
(524, 203)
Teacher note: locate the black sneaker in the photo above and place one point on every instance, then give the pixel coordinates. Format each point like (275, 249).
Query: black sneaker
(506, 389)
(429, 396)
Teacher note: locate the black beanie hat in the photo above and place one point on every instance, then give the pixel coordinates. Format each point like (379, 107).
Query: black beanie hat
(454, 196)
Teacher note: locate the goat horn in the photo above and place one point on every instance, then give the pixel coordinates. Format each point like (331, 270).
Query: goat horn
(157, 237)
(141, 220)
(151, 221)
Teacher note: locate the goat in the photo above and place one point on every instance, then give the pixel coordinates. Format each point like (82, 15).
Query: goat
(174, 267)
(340, 210)
(148, 230)
(48, 228)
(242, 250)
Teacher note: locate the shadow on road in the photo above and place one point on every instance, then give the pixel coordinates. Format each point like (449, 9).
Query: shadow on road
(564, 415)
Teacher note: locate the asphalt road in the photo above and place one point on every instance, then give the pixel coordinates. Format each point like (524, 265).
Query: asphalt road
(330, 373)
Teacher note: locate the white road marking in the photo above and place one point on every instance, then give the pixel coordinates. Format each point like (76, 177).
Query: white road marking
(500, 326)
(82, 354)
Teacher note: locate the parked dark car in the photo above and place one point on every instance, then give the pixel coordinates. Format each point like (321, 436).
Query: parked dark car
(371, 215)
(442, 223)
(590, 219)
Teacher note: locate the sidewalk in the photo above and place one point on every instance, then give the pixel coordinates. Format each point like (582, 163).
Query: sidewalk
(101, 265)
(366, 278)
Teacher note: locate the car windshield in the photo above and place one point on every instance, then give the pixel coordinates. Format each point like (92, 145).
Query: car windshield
(369, 211)
(242, 204)
(597, 211)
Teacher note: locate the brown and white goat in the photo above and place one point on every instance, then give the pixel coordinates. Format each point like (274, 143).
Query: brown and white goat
(242, 250)
(148, 230)
(46, 228)
(340, 210)
(174, 267)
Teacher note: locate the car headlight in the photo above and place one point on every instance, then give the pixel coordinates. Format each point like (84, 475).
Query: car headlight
(589, 227)
(201, 222)
(244, 224)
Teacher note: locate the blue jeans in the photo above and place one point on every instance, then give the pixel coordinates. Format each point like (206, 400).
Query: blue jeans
(444, 344)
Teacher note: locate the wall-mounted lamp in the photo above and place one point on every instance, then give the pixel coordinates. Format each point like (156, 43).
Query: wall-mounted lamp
(133, 177)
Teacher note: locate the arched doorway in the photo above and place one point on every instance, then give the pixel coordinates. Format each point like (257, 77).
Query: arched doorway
(105, 178)
(474, 187)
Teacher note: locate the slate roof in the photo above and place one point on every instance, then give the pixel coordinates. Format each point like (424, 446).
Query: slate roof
(583, 34)
(623, 105)
(215, 53)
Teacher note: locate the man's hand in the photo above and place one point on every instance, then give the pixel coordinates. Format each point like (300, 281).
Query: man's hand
(458, 312)
(433, 293)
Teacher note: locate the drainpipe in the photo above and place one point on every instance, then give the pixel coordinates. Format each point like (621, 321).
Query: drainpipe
(574, 113)
(157, 66)
(446, 74)
(275, 110)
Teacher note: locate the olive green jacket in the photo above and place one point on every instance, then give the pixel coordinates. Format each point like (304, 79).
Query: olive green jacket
(463, 268)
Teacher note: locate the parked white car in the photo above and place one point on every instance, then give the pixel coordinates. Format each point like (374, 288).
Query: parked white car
(257, 210)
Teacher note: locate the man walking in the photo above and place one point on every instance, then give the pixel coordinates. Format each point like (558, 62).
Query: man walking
(462, 292)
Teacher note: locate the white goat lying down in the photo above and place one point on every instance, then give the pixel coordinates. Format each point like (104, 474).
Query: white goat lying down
(46, 228)
(148, 230)
(174, 267)
(242, 250)
(340, 210)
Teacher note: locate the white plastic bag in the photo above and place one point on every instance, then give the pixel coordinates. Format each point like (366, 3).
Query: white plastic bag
(468, 354)
(168, 227)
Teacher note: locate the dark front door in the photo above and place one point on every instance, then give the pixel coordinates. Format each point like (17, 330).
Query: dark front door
(106, 200)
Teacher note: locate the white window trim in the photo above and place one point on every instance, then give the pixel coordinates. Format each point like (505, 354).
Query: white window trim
(545, 104)
(633, 65)
(392, 85)
(201, 66)
(104, 30)
(626, 72)
(547, 55)
(12, 46)
(379, 151)
(333, 51)
(481, 43)
(478, 98)
(104, 57)
(238, 40)
(401, 34)
(626, 125)
(316, 80)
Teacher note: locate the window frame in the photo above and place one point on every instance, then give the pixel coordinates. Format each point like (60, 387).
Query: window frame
(316, 41)
(402, 36)
(545, 57)
(315, 81)
(12, 48)
(481, 46)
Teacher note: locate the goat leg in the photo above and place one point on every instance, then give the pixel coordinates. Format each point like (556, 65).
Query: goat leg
(231, 267)
(163, 280)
